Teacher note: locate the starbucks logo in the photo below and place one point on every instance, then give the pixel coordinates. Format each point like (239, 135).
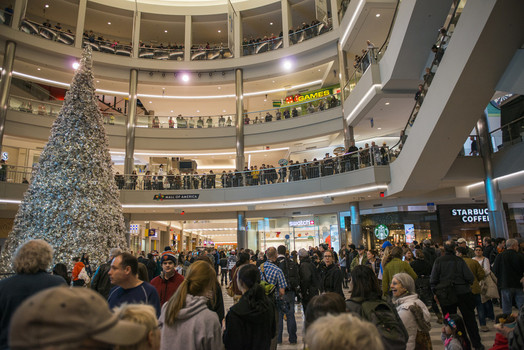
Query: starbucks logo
(381, 232)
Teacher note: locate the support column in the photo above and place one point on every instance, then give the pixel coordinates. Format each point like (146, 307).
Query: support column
(129, 163)
(334, 14)
(497, 217)
(287, 21)
(136, 33)
(80, 23)
(356, 230)
(5, 85)
(18, 13)
(127, 223)
(239, 91)
(342, 76)
(238, 35)
(188, 37)
(241, 230)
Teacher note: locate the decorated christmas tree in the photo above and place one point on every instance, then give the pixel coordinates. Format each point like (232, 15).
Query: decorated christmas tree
(72, 201)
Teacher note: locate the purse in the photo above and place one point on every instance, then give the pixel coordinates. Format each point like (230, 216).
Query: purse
(229, 288)
(423, 339)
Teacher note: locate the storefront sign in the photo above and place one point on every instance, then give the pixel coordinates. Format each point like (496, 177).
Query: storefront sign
(471, 214)
(300, 223)
(381, 232)
(161, 197)
(283, 162)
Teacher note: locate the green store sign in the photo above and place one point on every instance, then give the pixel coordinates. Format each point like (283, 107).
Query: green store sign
(381, 232)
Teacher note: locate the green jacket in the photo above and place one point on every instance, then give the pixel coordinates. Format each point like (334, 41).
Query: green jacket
(478, 273)
(391, 269)
(355, 262)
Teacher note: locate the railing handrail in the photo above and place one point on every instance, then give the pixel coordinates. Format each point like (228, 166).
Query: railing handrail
(507, 124)
(262, 41)
(393, 20)
(36, 101)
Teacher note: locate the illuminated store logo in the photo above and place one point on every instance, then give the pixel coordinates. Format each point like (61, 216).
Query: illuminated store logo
(471, 215)
(381, 232)
(302, 223)
(307, 97)
(5, 156)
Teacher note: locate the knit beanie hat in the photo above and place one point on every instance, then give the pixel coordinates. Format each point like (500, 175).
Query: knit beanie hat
(386, 244)
(168, 255)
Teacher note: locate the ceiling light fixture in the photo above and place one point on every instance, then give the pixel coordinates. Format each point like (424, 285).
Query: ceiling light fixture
(387, 103)
(185, 77)
(288, 65)
(219, 31)
(38, 69)
(109, 23)
(46, 6)
(165, 31)
(270, 23)
(377, 15)
(76, 65)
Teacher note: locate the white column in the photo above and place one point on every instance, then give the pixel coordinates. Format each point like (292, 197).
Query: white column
(334, 14)
(238, 35)
(188, 39)
(286, 21)
(80, 23)
(136, 33)
(18, 13)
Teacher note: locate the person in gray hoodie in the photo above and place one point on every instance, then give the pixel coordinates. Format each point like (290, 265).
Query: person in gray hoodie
(186, 320)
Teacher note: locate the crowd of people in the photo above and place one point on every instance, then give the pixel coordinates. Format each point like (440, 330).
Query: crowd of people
(354, 158)
(172, 298)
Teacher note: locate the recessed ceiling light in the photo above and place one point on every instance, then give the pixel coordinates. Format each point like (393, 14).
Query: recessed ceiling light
(319, 70)
(379, 128)
(150, 101)
(109, 23)
(288, 65)
(377, 15)
(76, 65)
(224, 111)
(163, 88)
(219, 31)
(171, 111)
(273, 81)
(98, 81)
(387, 103)
(185, 77)
(38, 69)
(165, 31)
(46, 6)
(219, 88)
(198, 110)
(270, 23)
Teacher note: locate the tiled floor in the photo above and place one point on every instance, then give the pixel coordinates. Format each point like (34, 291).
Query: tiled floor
(487, 337)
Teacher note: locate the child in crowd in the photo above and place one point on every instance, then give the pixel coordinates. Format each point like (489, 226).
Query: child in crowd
(454, 333)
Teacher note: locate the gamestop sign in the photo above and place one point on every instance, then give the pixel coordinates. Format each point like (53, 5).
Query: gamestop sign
(471, 215)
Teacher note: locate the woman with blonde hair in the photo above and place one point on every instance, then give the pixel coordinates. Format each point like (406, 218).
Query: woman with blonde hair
(144, 315)
(186, 320)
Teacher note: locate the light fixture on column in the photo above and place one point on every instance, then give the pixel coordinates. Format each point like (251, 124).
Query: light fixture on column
(265, 99)
(163, 74)
(210, 74)
(150, 74)
(223, 73)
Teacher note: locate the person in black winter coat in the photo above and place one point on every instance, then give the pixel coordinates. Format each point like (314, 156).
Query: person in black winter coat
(331, 275)
(430, 255)
(308, 278)
(250, 323)
(509, 269)
(423, 270)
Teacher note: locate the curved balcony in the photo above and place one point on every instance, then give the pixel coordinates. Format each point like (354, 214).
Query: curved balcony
(33, 119)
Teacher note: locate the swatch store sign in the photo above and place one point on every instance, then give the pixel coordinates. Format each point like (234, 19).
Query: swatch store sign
(471, 215)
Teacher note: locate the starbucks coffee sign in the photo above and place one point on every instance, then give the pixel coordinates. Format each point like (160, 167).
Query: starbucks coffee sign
(381, 232)
(471, 214)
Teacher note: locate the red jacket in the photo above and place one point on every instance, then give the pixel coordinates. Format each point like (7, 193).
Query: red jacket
(166, 288)
(501, 343)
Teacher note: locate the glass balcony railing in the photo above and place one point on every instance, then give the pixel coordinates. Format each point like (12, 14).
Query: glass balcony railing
(361, 65)
(177, 180)
(112, 117)
(46, 31)
(211, 53)
(507, 135)
(106, 46)
(259, 46)
(306, 31)
(6, 16)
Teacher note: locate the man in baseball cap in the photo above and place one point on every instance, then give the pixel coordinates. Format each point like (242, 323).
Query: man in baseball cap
(463, 243)
(169, 279)
(66, 318)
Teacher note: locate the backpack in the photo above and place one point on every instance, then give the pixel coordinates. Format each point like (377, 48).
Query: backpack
(385, 317)
(290, 269)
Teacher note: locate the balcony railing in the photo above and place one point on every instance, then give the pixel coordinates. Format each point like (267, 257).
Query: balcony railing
(507, 134)
(211, 53)
(47, 32)
(188, 179)
(111, 117)
(261, 46)
(309, 31)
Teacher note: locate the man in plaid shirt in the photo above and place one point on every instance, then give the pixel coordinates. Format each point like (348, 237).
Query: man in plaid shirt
(274, 276)
(273, 273)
